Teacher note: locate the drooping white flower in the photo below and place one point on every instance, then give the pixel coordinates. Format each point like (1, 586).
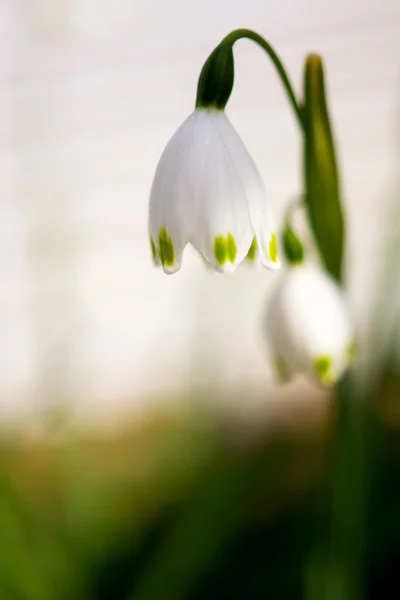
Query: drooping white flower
(308, 326)
(207, 191)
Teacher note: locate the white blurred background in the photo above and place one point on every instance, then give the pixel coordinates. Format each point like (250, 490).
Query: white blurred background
(90, 92)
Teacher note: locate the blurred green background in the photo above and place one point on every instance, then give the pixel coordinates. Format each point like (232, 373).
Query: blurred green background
(182, 507)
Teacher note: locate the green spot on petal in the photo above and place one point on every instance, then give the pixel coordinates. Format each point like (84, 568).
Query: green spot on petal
(323, 368)
(166, 246)
(231, 247)
(225, 249)
(251, 255)
(273, 248)
(153, 251)
(220, 250)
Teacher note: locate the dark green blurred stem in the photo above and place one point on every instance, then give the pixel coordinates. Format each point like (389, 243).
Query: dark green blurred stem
(336, 569)
(348, 500)
(238, 34)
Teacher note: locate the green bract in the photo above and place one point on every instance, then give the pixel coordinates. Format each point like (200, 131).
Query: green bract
(322, 190)
(216, 79)
(292, 246)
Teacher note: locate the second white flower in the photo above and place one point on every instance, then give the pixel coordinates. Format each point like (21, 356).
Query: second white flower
(308, 326)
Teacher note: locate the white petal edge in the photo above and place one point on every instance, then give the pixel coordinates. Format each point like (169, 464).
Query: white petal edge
(222, 231)
(258, 204)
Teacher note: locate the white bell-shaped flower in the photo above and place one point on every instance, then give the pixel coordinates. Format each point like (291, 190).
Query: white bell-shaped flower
(207, 191)
(308, 326)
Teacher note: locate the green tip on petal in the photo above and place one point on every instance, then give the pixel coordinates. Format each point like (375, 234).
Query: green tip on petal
(167, 253)
(220, 249)
(323, 368)
(273, 248)
(251, 255)
(153, 251)
(232, 248)
(225, 249)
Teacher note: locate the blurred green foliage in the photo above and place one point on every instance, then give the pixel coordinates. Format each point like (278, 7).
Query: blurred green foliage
(173, 510)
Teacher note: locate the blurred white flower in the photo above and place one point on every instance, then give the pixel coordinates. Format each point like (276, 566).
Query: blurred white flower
(208, 191)
(308, 326)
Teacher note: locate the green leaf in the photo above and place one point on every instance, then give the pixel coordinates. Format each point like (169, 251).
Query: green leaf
(322, 187)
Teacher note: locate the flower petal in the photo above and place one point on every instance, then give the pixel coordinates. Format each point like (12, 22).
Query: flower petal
(258, 204)
(222, 231)
(170, 210)
(154, 252)
(169, 252)
(267, 242)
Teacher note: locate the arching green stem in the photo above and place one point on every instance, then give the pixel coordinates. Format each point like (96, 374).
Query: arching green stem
(238, 34)
(223, 53)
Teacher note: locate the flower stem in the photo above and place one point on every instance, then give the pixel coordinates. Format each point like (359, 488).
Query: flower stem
(238, 34)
